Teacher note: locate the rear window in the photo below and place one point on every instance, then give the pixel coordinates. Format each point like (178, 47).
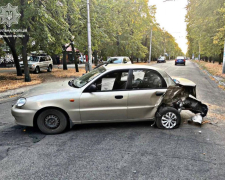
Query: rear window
(180, 57)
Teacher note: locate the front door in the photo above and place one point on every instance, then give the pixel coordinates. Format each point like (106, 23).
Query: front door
(109, 102)
(145, 94)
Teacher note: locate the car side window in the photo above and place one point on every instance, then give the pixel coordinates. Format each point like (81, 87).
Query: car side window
(112, 81)
(48, 58)
(42, 59)
(147, 79)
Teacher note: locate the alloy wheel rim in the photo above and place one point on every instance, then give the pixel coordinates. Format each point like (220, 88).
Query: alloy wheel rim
(169, 120)
(51, 122)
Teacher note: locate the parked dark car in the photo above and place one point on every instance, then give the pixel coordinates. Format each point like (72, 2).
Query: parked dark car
(180, 60)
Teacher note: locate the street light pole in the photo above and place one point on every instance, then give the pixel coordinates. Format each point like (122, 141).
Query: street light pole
(150, 48)
(89, 36)
(224, 59)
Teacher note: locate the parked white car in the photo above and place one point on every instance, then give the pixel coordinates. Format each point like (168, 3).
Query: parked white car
(38, 63)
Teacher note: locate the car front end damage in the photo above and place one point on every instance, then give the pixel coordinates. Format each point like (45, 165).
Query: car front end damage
(183, 97)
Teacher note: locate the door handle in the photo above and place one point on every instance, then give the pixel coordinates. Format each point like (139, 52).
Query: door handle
(119, 97)
(159, 93)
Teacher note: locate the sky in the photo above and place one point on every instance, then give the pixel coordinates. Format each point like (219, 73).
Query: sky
(171, 16)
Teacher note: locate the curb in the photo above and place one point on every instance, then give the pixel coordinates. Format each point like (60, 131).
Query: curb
(210, 75)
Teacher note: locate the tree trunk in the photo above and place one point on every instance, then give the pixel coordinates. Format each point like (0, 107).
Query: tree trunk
(96, 58)
(74, 57)
(64, 60)
(11, 42)
(16, 61)
(132, 59)
(24, 54)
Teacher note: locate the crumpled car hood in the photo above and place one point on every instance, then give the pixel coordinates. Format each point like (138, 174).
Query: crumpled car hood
(46, 88)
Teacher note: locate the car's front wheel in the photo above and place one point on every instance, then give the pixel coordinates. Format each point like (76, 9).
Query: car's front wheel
(52, 121)
(168, 118)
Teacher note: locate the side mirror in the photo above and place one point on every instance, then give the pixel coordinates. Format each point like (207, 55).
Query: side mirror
(92, 88)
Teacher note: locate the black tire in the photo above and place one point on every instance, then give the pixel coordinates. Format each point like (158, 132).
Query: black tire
(49, 68)
(52, 121)
(37, 70)
(184, 64)
(174, 121)
(175, 64)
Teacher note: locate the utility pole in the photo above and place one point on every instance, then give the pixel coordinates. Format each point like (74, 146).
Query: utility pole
(150, 48)
(224, 59)
(89, 36)
(199, 56)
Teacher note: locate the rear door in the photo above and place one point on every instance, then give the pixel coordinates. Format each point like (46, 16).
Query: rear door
(145, 93)
(42, 62)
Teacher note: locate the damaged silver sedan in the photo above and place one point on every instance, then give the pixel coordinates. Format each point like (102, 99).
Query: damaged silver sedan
(110, 93)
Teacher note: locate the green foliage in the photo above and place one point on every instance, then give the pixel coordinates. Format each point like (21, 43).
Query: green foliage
(205, 26)
(120, 27)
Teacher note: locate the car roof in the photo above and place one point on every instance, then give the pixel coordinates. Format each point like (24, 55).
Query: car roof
(130, 66)
(118, 57)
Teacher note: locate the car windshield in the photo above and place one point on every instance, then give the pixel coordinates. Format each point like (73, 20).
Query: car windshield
(83, 80)
(34, 58)
(116, 60)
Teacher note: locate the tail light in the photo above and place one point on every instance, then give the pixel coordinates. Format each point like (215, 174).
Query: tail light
(176, 60)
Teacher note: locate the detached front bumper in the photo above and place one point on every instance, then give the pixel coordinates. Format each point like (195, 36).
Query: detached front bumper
(23, 116)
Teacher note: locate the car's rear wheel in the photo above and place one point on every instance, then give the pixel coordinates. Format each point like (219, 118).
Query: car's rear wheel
(37, 70)
(169, 118)
(184, 64)
(52, 121)
(49, 68)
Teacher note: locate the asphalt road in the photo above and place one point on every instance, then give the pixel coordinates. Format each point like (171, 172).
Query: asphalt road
(121, 150)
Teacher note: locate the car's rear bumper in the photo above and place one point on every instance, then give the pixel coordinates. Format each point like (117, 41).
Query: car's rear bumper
(180, 62)
(161, 61)
(22, 116)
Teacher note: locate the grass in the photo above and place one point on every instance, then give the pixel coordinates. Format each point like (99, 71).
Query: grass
(215, 69)
(9, 81)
